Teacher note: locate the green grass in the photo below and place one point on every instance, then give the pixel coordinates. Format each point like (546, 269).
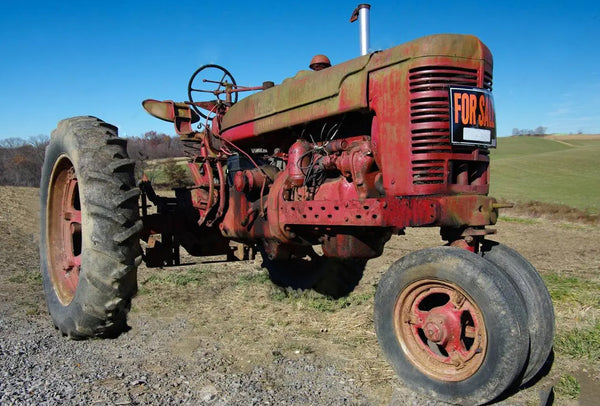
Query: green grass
(520, 220)
(158, 171)
(568, 387)
(568, 293)
(531, 168)
(580, 343)
(305, 298)
(193, 276)
(254, 277)
(569, 289)
(316, 301)
(28, 277)
(514, 147)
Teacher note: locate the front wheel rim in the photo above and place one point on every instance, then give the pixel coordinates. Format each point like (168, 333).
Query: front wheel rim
(440, 329)
(63, 233)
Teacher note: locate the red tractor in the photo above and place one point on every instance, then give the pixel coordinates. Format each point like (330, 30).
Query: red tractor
(316, 174)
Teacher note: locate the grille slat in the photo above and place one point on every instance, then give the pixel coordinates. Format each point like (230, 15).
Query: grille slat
(487, 81)
(440, 84)
(432, 125)
(424, 111)
(426, 172)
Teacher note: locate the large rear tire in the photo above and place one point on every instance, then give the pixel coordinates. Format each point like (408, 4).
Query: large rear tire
(540, 312)
(89, 244)
(450, 324)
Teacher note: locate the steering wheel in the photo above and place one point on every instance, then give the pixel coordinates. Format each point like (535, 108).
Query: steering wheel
(224, 82)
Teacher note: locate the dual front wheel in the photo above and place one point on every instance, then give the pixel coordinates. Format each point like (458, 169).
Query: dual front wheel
(462, 327)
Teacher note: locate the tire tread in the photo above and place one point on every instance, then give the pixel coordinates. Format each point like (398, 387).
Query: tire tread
(108, 196)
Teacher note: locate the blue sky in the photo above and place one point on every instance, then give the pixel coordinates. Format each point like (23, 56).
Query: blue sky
(61, 59)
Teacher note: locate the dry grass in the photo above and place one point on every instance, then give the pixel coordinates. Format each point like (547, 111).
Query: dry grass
(254, 321)
(552, 211)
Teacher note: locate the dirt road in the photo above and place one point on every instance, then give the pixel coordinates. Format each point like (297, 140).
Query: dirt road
(221, 334)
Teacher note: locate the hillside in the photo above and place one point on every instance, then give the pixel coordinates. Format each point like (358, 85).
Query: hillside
(556, 169)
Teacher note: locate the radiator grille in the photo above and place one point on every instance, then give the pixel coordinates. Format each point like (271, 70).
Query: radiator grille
(429, 116)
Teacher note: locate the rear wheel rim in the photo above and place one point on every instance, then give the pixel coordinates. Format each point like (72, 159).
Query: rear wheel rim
(440, 329)
(63, 237)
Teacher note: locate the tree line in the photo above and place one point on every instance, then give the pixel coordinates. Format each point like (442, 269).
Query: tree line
(152, 145)
(538, 131)
(21, 160)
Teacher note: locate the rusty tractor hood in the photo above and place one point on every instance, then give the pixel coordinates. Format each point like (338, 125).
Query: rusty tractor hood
(311, 95)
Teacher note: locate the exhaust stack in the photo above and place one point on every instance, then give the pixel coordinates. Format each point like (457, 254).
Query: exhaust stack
(361, 13)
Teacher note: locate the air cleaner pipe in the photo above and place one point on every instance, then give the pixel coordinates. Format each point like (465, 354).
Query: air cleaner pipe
(361, 13)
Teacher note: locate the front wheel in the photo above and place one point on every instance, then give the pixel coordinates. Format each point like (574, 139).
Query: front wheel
(451, 325)
(89, 244)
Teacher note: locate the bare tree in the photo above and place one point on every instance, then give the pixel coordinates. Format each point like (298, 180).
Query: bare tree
(538, 131)
(21, 160)
(152, 145)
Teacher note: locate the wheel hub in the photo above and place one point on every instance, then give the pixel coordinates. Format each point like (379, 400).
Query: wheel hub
(440, 325)
(440, 329)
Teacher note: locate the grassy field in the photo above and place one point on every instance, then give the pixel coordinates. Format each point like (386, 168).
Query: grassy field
(559, 170)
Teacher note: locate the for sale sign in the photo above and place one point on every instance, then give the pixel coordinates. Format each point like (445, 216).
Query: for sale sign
(472, 118)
